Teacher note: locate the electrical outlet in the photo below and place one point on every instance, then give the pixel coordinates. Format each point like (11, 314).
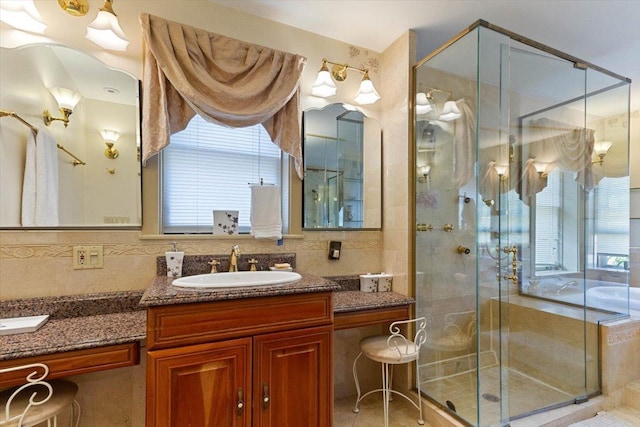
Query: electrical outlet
(87, 257)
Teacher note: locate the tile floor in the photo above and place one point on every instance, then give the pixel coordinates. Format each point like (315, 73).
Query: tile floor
(401, 413)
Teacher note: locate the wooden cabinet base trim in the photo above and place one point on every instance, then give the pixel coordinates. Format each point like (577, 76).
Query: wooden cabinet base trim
(370, 317)
(75, 362)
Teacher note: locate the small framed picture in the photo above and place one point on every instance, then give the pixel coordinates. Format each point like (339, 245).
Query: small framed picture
(225, 222)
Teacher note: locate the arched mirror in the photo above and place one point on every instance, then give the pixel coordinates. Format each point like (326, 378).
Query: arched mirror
(95, 147)
(342, 169)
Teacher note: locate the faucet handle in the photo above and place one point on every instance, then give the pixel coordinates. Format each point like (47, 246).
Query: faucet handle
(214, 263)
(253, 262)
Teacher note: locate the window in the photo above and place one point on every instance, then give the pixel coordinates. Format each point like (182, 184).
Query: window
(611, 234)
(209, 167)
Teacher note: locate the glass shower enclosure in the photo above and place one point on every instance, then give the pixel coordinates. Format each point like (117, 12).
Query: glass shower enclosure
(521, 210)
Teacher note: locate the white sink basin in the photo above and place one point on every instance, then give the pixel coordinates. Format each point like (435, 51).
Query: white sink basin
(237, 279)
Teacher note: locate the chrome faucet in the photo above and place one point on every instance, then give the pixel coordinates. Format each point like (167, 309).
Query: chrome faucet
(233, 258)
(566, 285)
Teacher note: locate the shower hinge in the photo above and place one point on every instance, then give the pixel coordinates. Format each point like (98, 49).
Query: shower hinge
(580, 65)
(581, 399)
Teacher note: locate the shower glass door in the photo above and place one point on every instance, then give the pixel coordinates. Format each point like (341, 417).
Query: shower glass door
(507, 208)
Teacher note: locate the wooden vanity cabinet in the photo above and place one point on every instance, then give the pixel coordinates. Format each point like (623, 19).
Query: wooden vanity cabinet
(273, 369)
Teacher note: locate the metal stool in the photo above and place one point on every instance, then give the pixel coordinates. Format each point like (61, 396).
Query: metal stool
(389, 350)
(38, 401)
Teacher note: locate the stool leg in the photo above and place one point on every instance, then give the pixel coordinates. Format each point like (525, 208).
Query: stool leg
(385, 392)
(420, 420)
(355, 378)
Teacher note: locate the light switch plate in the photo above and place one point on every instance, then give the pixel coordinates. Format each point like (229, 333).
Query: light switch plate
(88, 257)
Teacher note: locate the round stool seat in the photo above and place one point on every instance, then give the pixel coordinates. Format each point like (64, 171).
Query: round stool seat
(377, 348)
(64, 393)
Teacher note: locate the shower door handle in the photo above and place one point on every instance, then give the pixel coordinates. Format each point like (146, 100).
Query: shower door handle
(514, 264)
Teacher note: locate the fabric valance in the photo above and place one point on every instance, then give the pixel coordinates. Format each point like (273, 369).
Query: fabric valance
(226, 81)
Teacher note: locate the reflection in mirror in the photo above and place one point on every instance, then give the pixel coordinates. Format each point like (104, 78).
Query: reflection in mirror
(105, 190)
(342, 164)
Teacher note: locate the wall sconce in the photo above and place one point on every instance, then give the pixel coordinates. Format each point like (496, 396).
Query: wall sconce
(325, 87)
(601, 149)
(110, 137)
(74, 7)
(105, 30)
(502, 175)
(22, 15)
(427, 102)
(541, 169)
(67, 100)
(450, 112)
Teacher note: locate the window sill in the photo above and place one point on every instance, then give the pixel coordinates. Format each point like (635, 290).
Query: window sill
(179, 237)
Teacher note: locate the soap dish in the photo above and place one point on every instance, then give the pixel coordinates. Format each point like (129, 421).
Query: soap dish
(19, 325)
(280, 269)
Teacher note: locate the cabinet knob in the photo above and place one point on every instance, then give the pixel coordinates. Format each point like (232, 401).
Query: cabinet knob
(240, 402)
(265, 396)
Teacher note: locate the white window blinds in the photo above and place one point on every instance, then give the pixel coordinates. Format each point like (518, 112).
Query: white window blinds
(209, 167)
(612, 216)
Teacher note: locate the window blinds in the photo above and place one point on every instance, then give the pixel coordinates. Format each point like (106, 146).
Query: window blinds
(209, 167)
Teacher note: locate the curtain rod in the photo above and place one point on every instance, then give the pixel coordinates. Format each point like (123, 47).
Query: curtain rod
(5, 113)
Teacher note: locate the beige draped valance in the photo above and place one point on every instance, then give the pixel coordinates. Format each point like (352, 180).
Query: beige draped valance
(226, 81)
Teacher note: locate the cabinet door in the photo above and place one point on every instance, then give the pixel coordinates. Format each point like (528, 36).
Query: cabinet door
(205, 385)
(293, 378)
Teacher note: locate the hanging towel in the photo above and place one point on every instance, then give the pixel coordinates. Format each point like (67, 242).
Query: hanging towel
(266, 212)
(40, 186)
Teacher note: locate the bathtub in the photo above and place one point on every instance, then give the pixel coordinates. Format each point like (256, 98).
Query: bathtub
(614, 298)
(603, 295)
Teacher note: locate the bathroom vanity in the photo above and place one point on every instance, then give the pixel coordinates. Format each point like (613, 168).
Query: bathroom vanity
(240, 357)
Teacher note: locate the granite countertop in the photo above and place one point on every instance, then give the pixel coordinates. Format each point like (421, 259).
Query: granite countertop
(351, 301)
(76, 333)
(95, 320)
(161, 292)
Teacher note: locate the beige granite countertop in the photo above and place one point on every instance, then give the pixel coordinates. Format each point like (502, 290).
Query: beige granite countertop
(161, 292)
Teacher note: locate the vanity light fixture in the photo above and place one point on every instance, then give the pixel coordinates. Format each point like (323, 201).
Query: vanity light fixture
(541, 168)
(423, 105)
(450, 112)
(601, 149)
(502, 175)
(324, 85)
(67, 100)
(74, 7)
(22, 15)
(110, 137)
(105, 30)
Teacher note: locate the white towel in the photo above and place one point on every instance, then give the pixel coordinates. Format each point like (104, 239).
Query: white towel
(40, 186)
(266, 212)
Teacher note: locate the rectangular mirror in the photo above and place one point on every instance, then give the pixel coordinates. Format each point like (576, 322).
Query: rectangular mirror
(342, 169)
(95, 158)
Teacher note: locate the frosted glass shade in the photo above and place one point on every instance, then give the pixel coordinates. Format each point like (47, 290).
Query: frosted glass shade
(105, 31)
(109, 135)
(602, 147)
(423, 106)
(450, 112)
(66, 98)
(23, 15)
(324, 85)
(367, 94)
